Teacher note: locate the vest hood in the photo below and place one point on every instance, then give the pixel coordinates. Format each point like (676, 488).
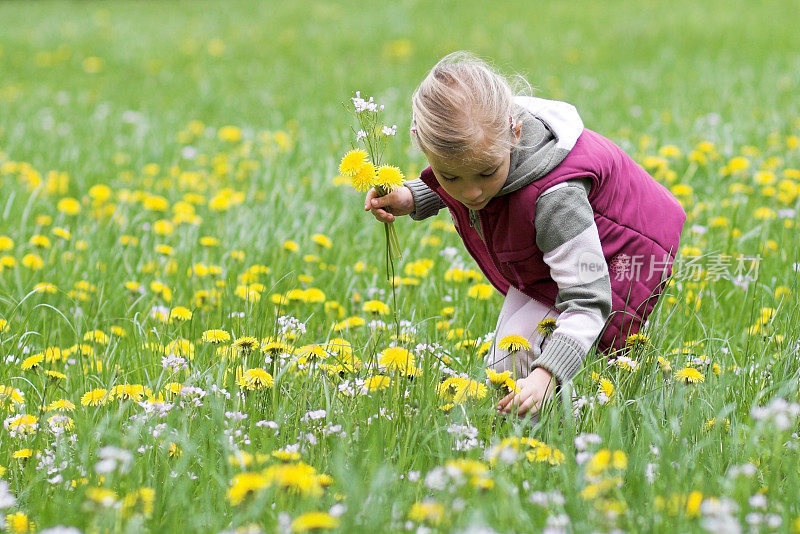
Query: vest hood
(549, 131)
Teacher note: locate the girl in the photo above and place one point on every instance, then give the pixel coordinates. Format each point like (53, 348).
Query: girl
(559, 219)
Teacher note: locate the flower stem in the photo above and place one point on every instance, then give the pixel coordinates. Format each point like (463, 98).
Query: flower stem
(391, 241)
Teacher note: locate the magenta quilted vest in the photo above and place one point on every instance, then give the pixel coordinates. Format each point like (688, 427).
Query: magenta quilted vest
(638, 220)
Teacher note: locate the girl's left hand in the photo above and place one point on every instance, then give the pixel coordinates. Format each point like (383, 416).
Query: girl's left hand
(533, 391)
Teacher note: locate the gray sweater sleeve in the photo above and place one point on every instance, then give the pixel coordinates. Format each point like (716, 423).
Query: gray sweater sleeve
(566, 233)
(426, 202)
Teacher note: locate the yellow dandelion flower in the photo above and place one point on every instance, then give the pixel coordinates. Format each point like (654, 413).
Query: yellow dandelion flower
(397, 359)
(174, 451)
(209, 241)
(180, 313)
(69, 206)
(600, 461)
(511, 385)
(322, 240)
(693, 504)
(426, 512)
(8, 393)
(458, 389)
(32, 362)
(689, 375)
(311, 353)
(389, 177)
(376, 382)
(98, 336)
(314, 521)
(23, 454)
(364, 178)
(546, 326)
(375, 307)
(513, 343)
(245, 344)
(22, 424)
(636, 342)
(471, 390)
(286, 456)
(670, 151)
(350, 322)
(297, 478)
(352, 162)
(274, 346)
(18, 523)
(173, 387)
(216, 336)
(256, 378)
(63, 233)
(606, 387)
(134, 392)
(45, 287)
(497, 378)
(314, 295)
(32, 262)
(480, 291)
(61, 405)
(95, 397)
(181, 347)
(231, 134)
(39, 241)
(738, 163)
(245, 484)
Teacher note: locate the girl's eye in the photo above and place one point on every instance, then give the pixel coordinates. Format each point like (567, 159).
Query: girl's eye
(446, 179)
(490, 174)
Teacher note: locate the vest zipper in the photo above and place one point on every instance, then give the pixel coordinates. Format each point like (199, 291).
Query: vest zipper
(476, 221)
(480, 232)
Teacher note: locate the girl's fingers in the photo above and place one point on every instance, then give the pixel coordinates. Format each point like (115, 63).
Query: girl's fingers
(368, 200)
(505, 400)
(526, 406)
(382, 215)
(515, 400)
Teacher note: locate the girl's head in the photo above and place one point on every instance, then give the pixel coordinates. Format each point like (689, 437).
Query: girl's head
(465, 122)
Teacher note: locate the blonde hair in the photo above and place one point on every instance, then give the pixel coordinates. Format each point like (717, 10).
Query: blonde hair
(463, 104)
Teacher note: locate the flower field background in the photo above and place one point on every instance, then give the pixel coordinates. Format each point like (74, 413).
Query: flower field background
(196, 332)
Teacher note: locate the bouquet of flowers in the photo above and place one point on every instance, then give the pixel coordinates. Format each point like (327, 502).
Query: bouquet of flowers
(363, 165)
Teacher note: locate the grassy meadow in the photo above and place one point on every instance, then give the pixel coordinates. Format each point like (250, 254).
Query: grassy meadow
(197, 332)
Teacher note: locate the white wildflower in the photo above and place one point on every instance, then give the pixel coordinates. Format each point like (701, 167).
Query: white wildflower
(7, 499)
(583, 441)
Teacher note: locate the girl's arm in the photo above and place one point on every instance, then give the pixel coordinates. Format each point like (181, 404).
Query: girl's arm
(567, 234)
(426, 202)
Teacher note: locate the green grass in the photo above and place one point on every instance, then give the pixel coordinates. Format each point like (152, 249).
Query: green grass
(647, 76)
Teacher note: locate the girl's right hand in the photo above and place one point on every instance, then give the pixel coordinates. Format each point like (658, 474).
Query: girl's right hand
(398, 202)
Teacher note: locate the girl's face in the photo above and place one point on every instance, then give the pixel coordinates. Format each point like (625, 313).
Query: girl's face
(471, 181)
